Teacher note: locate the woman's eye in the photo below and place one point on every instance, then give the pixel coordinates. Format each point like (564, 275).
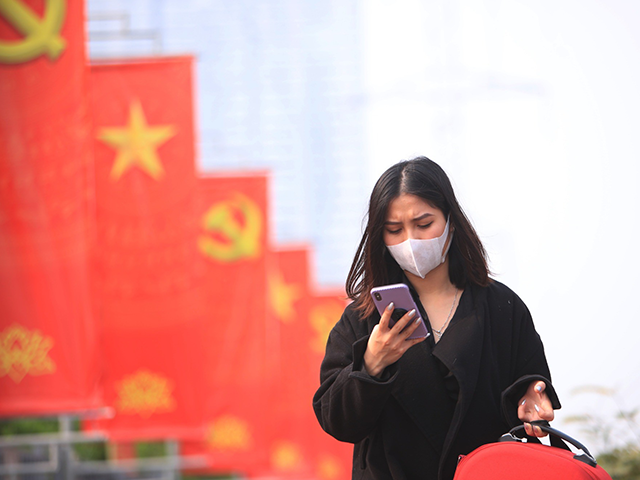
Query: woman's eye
(393, 232)
(427, 225)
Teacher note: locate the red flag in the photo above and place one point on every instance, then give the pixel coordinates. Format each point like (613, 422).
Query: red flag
(297, 446)
(49, 359)
(331, 458)
(233, 241)
(289, 451)
(151, 274)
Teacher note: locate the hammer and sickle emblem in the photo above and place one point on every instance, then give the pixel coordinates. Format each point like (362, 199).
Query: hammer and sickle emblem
(237, 225)
(41, 35)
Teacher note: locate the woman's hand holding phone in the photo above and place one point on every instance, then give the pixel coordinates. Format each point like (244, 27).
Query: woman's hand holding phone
(387, 344)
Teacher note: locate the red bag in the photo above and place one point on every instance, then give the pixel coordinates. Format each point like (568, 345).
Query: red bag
(511, 459)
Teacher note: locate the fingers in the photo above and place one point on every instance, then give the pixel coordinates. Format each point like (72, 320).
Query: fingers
(528, 429)
(375, 330)
(413, 326)
(524, 410)
(386, 316)
(533, 430)
(386, 345)
(539, 387)
(547, 413)
(535, 405)
(404, 326)
(413, 341)
(530, 410)
(542, 404)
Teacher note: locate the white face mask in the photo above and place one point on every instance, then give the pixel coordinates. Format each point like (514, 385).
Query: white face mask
(421, 256)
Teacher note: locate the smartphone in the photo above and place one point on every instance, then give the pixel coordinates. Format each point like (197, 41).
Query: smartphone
(400, 295)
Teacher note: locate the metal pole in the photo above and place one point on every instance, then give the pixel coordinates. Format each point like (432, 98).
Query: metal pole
(172, 453)
(11, 458)
(66, 449)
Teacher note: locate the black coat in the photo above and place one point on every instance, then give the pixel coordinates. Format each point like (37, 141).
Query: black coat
(406, 425)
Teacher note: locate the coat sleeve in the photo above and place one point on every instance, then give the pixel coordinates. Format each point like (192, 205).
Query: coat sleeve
(349, 401)
(530, 364)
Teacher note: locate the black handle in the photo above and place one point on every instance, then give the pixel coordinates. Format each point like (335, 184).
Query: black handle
(585, 457)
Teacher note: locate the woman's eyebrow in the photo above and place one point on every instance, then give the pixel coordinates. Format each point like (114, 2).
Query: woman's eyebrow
(423, 216)
(417, 219)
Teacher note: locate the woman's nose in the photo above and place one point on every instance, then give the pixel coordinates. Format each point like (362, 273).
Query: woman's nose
(412, 234)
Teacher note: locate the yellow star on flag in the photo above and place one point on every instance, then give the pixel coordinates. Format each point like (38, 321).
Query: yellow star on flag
(136, 143)
(282, 296)
(328, 468)
(322, 318)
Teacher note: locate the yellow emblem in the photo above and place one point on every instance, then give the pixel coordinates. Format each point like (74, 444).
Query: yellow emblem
(322, 318)
(328, 468)
(286, 457)
(282, 296)
(145, 393)
(136, 143)
(41, 35)
(234, 228)
(24, 352)
(229, 433)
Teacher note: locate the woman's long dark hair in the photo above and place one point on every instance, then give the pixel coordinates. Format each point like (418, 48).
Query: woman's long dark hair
(374, 266)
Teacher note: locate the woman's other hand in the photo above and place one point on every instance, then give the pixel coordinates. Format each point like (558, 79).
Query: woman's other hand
(535, 405)
(387, 344)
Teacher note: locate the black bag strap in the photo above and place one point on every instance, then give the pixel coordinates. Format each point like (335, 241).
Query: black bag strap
(557, 439)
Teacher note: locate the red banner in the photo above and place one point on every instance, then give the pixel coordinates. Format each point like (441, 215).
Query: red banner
(290, 454)
(49, 357)
(151, 274)
(268, 428)
(233, 241)
(331, 458)
(297, 446)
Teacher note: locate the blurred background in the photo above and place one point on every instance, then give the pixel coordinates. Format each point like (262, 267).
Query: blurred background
(530, 107)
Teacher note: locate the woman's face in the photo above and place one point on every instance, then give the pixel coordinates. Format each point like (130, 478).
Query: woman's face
(409, 216)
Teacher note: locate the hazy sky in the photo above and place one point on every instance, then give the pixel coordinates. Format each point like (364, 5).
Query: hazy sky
(532, 109)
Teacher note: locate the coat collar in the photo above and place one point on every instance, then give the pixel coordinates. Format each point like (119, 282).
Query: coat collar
(420, 387)
(461, 353)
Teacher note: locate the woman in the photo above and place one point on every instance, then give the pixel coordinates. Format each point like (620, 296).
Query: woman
(412, 406)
